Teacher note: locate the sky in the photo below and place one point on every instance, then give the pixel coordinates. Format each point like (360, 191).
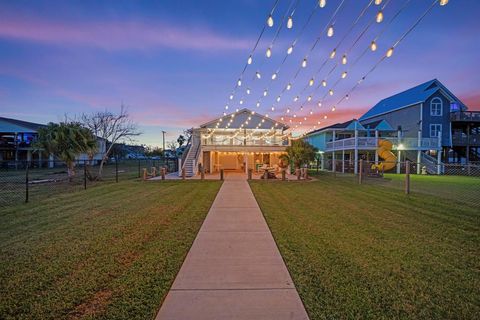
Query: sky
(174, 64)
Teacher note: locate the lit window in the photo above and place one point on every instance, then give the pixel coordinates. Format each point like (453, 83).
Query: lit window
(436, 107)
(435, 129)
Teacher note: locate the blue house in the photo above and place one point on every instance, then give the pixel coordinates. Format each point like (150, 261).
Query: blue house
(426, 124)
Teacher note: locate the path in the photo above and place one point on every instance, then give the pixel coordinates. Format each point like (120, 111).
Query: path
(234, 269)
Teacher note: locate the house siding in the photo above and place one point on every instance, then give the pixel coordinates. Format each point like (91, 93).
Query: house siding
(444, 119)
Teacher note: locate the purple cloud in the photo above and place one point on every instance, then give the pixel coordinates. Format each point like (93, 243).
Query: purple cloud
(119, 35)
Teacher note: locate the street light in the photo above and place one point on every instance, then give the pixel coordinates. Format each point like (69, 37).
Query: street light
(163, 133)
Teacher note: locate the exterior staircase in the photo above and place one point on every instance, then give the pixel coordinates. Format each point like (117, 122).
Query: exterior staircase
(191, 160)
(427, 161)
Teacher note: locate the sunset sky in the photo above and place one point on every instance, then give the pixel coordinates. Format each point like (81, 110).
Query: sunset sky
(175, 63)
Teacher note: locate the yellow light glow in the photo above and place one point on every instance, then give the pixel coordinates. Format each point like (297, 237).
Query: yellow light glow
(389, 52)
(270, 21)
(344, 74)
(322, 3)
(269, 53)
(289, 23)
(311, 82)
(373, 46)
(443, 2)
(324, 83)
(330, 92)
(379, 17)
(344, 59)
(290, 49)
(289, 86)
(333, 53)
(330, 31)
(250, 60)
(304, 63)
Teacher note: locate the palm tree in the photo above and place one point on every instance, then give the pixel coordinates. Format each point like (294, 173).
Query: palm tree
(299, 153)
(66, 141)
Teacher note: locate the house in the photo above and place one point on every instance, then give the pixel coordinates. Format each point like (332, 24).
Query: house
(238, 141)
(426, 124)
(16, 144)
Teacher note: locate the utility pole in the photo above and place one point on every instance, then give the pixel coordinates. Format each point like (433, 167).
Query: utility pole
(163, 132)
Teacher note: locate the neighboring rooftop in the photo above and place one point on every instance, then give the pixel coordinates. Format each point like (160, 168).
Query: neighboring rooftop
(14, 125)
(411, 97)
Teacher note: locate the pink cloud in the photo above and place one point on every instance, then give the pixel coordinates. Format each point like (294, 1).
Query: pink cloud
(119, 35)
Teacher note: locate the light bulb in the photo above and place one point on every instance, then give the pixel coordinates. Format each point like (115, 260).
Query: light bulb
(248, 90)
(296, 98)
(333, 108)
(334, 52)
(324, 83)
(330, 31)
(325, 117)
(269, 52)
(241, 101)
(278, 99)
(344, 59)
(309, 98)
(389, 52)
(443, 2)
(304, 63)
(273, 108)
(373, 46)
(319, 104)
(259, 76)
(258, 104)
(290, 23)
(322, 3)
(270, 21)
(231, 97)
(344, 74)
(330, 92)
(226, 107)
(250, 60)
(378, 2)
(290, 49)
(311, 112)
(281, 118)
(265, 93)
(347, 97)
(379, 16)
(239, 82)
(311, 82)
(288, 110)
(274, 76)
(289, 86)
(294, 115)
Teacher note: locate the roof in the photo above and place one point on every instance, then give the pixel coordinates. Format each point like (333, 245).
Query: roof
(348, 125)
(240, 117)
(15, 125)
(412, 96)
(381, 125)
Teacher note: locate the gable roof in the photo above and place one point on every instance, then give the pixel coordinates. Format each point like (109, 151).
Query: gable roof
(412, 96)
(14, 125)
(348, 125)
(241, 116)
(381, 125)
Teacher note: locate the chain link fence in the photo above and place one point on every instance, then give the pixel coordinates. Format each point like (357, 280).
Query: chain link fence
(30, 181)
(455, 182)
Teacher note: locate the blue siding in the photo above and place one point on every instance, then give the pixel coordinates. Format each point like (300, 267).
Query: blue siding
(444, 119)
(318, 140)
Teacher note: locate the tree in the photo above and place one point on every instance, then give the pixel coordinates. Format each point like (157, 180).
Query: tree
(111, 127)
(181, 140)
(67, 140)
(299, 152)
(172, 145)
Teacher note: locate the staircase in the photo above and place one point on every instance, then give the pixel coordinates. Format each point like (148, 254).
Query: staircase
(190, 162)
(427, 161)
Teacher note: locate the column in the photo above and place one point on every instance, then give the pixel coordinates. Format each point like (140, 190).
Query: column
(343, 161)
(399, 153)
(333, 153)
(439, 153)
(419, 151)
(376, 150)
(355, 165)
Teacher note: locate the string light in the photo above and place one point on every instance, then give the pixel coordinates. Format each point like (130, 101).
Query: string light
(334, 52)
(250, 60)
(265, 92)
(290, 22)
(330, 31)
(274, 76)
(443, 2)
(333, 108)
(248, 90)
(324, 83)
(373, 46)
(259, 76)
(270, 21)
(311, 82)
(379, 17)
(231, 97)
(278, 99)
(289, 86)
(344, 74)
(304, 63)
(378, 2)
(239, 82)
(330, 92)
(389, 52)
(290, 49)
(322, 3)
(344, 59)
(269, 52)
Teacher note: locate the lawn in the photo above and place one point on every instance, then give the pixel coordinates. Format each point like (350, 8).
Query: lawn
(110, 252)
(366, 251)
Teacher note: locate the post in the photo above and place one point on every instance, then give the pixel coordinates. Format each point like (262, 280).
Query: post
(139, 173)
(399, 153)
(163, 173)
(250, 174)
(183, 173)
(202, 172)
(116, 169)
(84, 175)
(407, 177)
(439, 154)
(334, 162)
(360, 173)
(399, 161)
(179, 167)
(376, 149)
(283, 175)
(419, 151)
(26, 184)
(144, 173)
(343, 161)
(221, 174)
(355, 164)
(298, 171)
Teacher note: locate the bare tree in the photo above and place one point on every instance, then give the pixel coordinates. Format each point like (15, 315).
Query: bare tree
(112, 128)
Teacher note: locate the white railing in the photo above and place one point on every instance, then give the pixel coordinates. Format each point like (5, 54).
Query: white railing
(372, 143)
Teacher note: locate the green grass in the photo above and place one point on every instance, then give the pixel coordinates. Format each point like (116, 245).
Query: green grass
(110, 252)
(371, 252)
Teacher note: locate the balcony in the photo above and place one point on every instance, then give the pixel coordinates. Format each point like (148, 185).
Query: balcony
(370, 143)
(461, 139)
(465, 116)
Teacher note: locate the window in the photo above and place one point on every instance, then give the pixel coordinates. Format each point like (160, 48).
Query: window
(435, 129)
(436, 106)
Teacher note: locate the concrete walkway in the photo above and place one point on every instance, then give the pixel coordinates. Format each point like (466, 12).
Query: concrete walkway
(234, 269)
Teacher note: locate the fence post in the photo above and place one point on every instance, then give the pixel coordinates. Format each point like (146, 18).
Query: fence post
(183, 173)
(407, 177)
(202, 172)
(221, 174)
(26, 184)
(116, 169)
(360, 172)
(84, 175)
(139, 173)
(163, 173)
(250, 174)
(283, 175)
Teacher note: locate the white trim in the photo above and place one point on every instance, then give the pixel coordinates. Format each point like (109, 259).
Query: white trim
(437, 101)
(438, 131)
